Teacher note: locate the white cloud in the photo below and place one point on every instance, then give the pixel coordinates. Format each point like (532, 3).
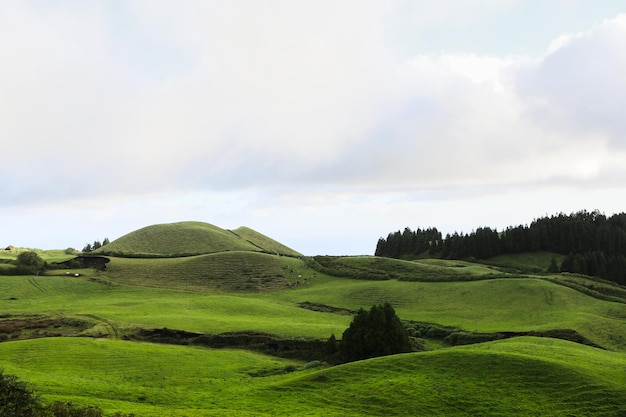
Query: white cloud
(295, 109)
(580, 85)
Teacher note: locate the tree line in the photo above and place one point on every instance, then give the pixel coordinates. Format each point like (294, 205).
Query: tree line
(96, 245)
(593, 243)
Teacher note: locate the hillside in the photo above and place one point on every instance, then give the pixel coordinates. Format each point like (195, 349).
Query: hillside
(524, 376)
(223, 271)
(263, 242)
(500, 338)
(188, 239)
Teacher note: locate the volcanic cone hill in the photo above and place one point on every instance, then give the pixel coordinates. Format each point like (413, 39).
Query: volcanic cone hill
(181, 239)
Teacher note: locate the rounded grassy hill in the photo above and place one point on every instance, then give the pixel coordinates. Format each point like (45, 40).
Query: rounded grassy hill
(180, 239)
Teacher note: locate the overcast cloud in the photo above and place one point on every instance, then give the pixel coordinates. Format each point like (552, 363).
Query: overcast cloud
(323, 124)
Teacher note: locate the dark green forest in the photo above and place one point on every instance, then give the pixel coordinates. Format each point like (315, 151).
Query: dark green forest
(592, 243)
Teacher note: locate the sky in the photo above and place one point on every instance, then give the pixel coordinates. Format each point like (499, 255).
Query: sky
(323, 124)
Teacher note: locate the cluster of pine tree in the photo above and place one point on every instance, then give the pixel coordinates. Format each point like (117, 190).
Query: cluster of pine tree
(594, 243)
(373, 333)
(96, 245)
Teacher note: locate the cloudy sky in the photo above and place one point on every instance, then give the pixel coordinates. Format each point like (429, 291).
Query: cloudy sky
(324, 124)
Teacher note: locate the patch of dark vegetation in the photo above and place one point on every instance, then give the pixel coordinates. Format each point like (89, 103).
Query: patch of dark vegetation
(320, 378)
(165, 335)
(454, 336)
(21, 328)
(99, 263)
(323, 308)
(301, 349)
(101, 281)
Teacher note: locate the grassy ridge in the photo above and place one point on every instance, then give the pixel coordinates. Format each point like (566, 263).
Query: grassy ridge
(264, 242)
(525, 376)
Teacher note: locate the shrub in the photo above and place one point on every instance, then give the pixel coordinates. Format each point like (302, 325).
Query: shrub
(16, 398)
(30, 262)
(315, 365)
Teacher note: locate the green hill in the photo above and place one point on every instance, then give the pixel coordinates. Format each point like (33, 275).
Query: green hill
(188, 239)
(240, 293)
(524, 376)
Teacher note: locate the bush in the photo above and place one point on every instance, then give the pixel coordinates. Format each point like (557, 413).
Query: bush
(16, 398)
(30, 262)
(315, 365)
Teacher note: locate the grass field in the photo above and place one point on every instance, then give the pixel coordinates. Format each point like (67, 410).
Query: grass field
(525, 376)
(236, 282)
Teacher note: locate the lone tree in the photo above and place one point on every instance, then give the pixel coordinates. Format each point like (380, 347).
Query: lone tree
(30, 262)
(378, 332)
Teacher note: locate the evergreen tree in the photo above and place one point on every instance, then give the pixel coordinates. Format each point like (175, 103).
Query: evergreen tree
(375, 333)
(553, 268)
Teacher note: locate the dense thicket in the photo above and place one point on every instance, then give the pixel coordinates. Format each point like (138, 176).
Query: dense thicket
(593, 243)
(377, 332)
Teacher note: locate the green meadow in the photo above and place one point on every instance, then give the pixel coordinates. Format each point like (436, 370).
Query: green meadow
(73, 338)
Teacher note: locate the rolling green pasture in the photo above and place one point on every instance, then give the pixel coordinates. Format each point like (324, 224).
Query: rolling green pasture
(253, 291)
(512, 304)
(118, 307)
(523, 376)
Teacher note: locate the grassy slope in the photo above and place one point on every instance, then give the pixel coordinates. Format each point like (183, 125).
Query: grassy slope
(515, 304)
(493, 376)
(118, 307)
(525, 376)
(225, 271)
(538, 261)
(264, 242)
(177, 239)
(378, 268)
